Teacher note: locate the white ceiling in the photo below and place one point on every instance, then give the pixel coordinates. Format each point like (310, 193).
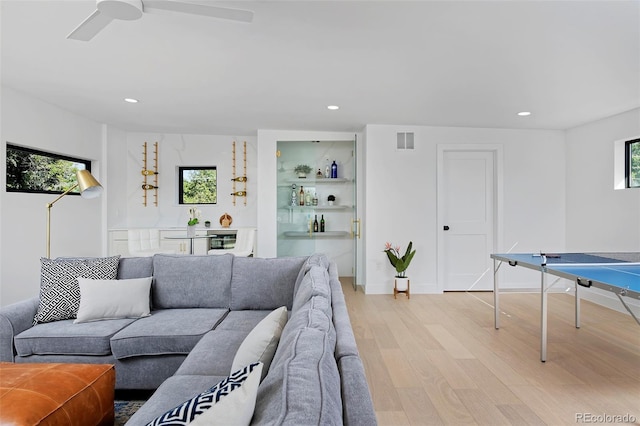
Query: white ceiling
(447, 63)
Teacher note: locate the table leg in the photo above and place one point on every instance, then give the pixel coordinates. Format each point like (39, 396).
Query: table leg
(543, 317)
(191, 240)
(496, 309)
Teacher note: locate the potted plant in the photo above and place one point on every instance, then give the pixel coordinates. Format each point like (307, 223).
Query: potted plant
(331, 199)
(194, 219)
(302, 170)
(400, 263)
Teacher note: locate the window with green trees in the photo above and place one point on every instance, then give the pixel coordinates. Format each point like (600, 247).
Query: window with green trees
(633, 163)
(32, 170)
(197, 185)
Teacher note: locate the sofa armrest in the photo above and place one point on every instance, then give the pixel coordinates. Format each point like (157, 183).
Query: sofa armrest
(14, 319)
(357, 405)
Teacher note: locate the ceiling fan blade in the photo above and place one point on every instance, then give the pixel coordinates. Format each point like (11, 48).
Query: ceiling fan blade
(90, 26)
(199, 9)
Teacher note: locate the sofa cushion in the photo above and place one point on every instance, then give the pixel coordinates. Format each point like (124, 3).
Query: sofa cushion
(173, 391)
(304, 386)
(168, 331)
(191, 281)
(59, 291)
(112, 299)
(314, 283)
(244, 321)
(261, 343)
(311, 315)
(213, 354)
(230, 402)
(67, 338)
(316, 259)
(135, 267)
(264, 283)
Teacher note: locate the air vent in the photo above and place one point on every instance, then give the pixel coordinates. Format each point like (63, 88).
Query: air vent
(405, 140)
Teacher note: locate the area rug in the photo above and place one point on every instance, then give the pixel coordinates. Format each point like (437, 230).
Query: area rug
(124, 410)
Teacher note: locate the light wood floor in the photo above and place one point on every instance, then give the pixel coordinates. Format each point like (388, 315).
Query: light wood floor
(437, 359)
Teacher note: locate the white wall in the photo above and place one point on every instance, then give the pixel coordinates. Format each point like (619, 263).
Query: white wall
(76, 222)
(600, 218)
(126, 209)
(401, 195)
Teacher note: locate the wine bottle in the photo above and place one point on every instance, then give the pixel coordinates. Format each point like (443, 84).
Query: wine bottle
(334, 170)
(301, 197)
(322, 224)
(315, 224)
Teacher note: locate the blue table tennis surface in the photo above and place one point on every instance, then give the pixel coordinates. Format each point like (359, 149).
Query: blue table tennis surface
(620, 270)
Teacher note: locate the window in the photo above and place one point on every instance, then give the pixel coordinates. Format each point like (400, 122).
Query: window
(31, 170)
(632, 163)
(197, 185)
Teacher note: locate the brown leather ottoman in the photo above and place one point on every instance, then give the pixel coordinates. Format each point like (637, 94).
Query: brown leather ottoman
(56, 394)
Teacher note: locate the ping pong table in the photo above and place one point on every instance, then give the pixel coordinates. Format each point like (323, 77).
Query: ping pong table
(618, 273)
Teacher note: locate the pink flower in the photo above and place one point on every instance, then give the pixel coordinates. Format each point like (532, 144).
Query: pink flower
(397, 249)
(387, 246)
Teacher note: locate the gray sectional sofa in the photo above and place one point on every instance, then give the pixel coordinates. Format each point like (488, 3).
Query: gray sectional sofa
(203, 307)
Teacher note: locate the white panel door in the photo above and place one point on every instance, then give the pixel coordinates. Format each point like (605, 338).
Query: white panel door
(467, 221)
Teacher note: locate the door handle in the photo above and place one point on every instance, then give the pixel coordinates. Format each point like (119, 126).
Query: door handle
(446, 228)
(357, 232)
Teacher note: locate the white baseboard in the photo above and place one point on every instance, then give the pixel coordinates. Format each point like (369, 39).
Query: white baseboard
(597, 296)
(386, 288)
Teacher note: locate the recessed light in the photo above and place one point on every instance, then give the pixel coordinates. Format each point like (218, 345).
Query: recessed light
(333, 107)
(131, 100)
(524, 113)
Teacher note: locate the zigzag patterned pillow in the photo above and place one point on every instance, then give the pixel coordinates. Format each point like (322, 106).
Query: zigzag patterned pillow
(231, 401)
(59, 289)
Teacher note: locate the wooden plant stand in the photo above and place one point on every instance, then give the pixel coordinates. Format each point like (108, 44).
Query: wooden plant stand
(396, 291)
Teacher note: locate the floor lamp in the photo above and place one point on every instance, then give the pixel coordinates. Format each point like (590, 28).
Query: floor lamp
(89, 188)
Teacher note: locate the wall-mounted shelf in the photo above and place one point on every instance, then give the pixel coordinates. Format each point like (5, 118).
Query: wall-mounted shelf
(328, 234)
(313, 181)
(315, 208)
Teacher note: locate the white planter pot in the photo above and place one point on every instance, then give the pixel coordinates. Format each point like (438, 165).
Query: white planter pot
(191, 230)
(402, 284)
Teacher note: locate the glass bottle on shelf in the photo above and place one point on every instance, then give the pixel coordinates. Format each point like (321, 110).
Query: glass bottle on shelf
(314, 200)
(315, 224)
(294, 195)
(322, 223)
(327, 170)
(301, 197)
(334, 170)
(307, 198)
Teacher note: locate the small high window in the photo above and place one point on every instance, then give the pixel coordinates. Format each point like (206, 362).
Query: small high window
(632, 163)
(197, 185)
(31, 170)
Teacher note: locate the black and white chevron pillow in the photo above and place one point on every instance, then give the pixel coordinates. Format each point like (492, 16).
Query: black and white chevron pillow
(189, 410)
(59, 288)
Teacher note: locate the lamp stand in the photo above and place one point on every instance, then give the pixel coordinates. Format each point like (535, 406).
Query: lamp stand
(49, 205)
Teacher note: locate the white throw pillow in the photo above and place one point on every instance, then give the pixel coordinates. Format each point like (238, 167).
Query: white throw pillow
(235, 409)
(112, 299)
(261, 343)
(230, 402)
